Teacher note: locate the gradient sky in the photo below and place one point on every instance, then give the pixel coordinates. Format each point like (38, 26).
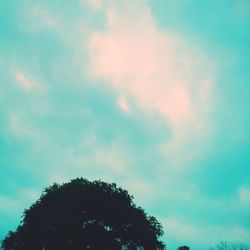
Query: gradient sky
(153, 95)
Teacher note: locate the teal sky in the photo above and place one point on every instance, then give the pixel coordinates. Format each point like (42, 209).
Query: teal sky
(153, 95)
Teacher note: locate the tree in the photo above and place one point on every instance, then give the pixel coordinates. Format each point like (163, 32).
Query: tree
(223, 245)
(183, 248)
(82, 214)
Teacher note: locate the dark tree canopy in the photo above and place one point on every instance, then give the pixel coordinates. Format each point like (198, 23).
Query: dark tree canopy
(183, 248)
(82, 214)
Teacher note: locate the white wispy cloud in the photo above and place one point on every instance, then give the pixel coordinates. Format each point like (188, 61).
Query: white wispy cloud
(41, 17)
(23, 129)
(204, 234)
(244, 195)
(28, 83)
(16, 203)
(93, 159)
(94, 4)
(23, 82)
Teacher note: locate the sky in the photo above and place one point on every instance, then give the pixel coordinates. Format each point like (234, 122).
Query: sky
(152, 95)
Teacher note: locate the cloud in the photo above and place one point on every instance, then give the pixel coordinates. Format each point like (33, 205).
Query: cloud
(93, 159)
(200, 234)
(94, 4)
(17, 203)
(23, 82)
(244, 195)
(25, 130)
(108, 157)
(142, 190)
(8, 204)
(41, 17)
(160, 70)
(242, 8)
(123, 105)
(27, 83)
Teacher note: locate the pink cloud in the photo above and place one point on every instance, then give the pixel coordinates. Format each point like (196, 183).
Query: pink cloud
(123, 105)
(161, 71)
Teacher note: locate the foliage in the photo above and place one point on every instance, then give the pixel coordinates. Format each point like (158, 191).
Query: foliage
(82, 214)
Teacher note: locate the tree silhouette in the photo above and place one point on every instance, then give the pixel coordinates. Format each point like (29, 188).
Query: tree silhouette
(183, 248)
(82, 214)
